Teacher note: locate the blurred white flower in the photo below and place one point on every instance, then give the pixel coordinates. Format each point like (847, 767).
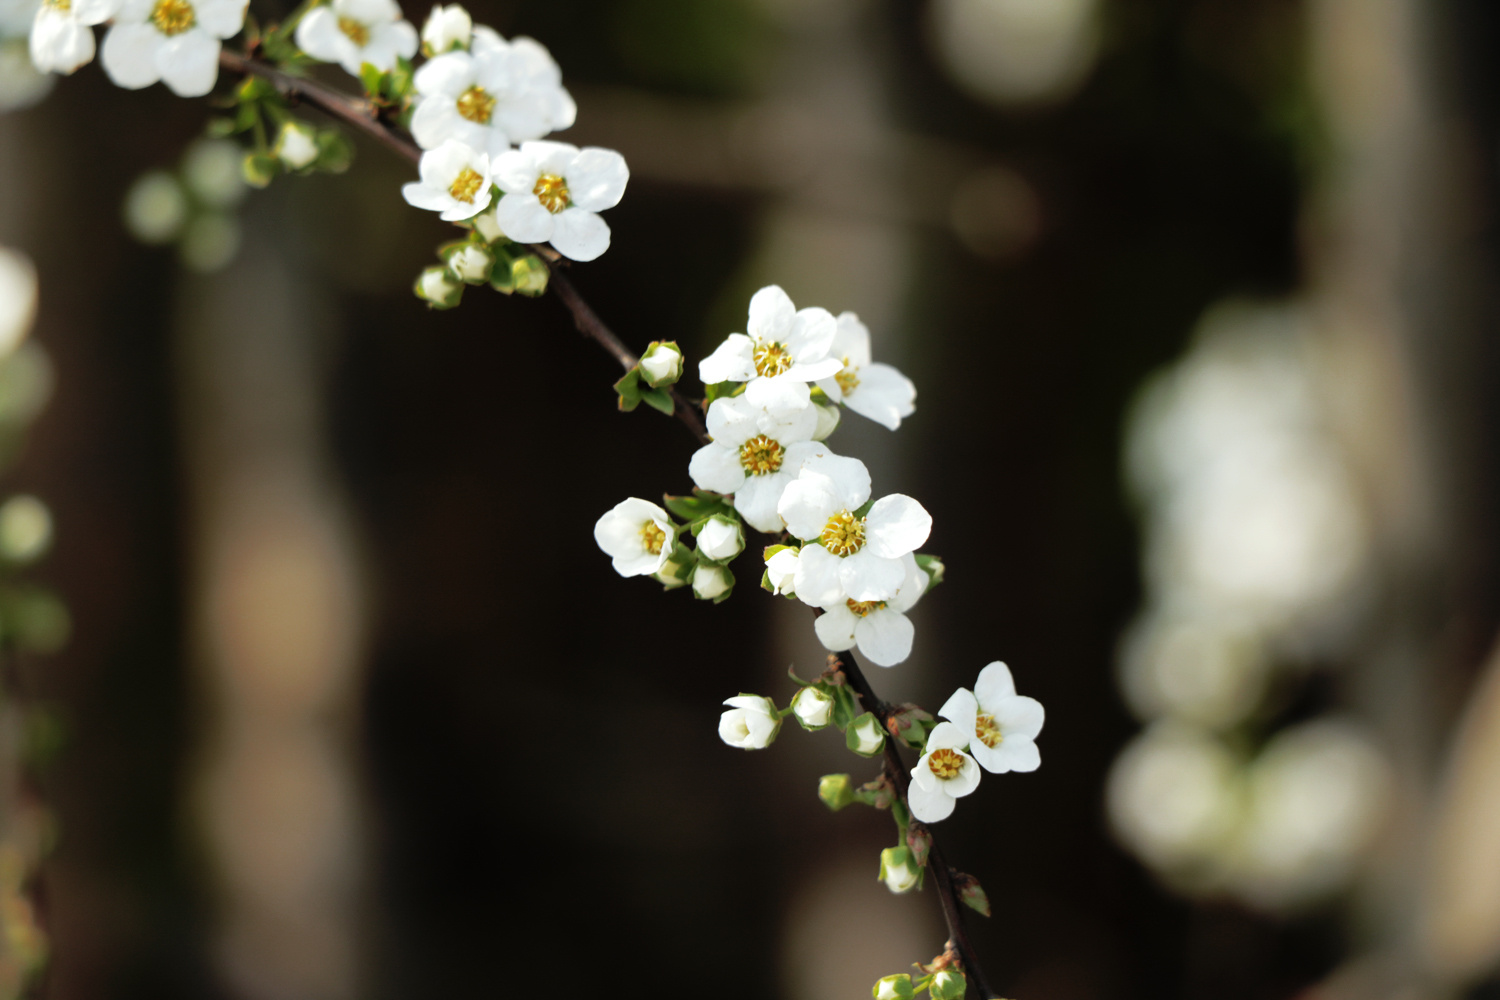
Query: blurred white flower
(21, 83)
(1208, 669)
(867, 387)
(1003, 725)
(62, 35)
(155, 208)
(296, 145)
(175, 41)
(211, 171)
(354, 32)
(18, 298)
(554, 192)
(446, 28)
(455, 182)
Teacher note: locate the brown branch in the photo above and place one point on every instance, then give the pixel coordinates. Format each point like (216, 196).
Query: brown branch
(362, 114)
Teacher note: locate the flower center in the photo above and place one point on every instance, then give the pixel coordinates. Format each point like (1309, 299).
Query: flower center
(476, 104)
(945, 763)
(844, 534)
(762, 456)
(173, 17)
(466, 185)
(987, 732)
(863, 608)
(357, 33)
(772, 358)
(552, 191)
(652, 538)
(847, 379)
(62, 5)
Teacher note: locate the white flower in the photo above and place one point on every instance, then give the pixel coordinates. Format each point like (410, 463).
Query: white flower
(781, 571)
(750, 724)
(661, 364)
(175, 41)
(711, 581)
(435, 287)
(554, 192)
(62, 38)
(17, 298)
(753, 456)
(898, 869)
(880, 628)
(944, 773)
(637, 535)
(873, 390)
(721, 538)
(354, 32)
(471, 263)
(447, 28)
(857, 558)
(782, 350)
(1002, 725)
(455, 182)
(490, 97)
(865, 737)
(813, 707)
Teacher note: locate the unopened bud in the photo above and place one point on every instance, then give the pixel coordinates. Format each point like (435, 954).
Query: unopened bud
(919, 839)
(711, 582)
(864, 736)
(828, 421)
(487, 226)
(893, 988)
(751, 722)
(674, 574)
(661, 364)
(447, 28)
(781, 569)
(437, 289)
(836, 791)
(948, 985)
(529, 275)
(813, 707)
(470, 263)
(721, 538)
(972, 893)
(898, 869)
(296, 145)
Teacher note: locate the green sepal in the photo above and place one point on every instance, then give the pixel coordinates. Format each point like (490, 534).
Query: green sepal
(818, 396)
(835, 791)
(877, 794)
(629, 390)
(658, 399)
(933, 567)
(721, 390)
(864, 724)
(864, 510)
(398, 82)
(259, 170)
(371, 78)
(701, 506)
(221, 128)
(893, 988)
(846, 708)
(530, 275)
(791, 672)
(948, 984)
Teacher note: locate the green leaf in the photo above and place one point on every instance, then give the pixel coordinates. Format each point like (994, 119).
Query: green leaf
(371, 78)
(629, 389)
(335, 152)
(259, 170)
(658, 399)
(720, 390)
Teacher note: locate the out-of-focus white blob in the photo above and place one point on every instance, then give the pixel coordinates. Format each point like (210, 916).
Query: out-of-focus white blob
(211, 170)
(25, 528)
(1174, 799)
(1016, 52)
(17, 299)
(1316, 799)
(1210, 671)
(210, 242)
(155, 208)
(21, 83)
(16, 17)
(26, 381)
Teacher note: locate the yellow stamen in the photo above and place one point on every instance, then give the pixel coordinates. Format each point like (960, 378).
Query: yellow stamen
(945, 763)
(62, 5)
(844, 534)
(552, 191)
(476, 104)
(848, 379)
(173, 17)
(466, 185)
(652, 537)
(988, 732)
(357, 33)
(761, 456)
(863, 608)
(771, 358)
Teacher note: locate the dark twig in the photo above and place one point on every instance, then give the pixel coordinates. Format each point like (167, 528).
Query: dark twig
(365, 116)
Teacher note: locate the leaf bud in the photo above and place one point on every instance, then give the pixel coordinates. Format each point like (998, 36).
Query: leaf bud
(835, 790)
(893, 988)
(813, 707)
(712, 582)
(864, 736)
(470, 263)
(296, 145)
(898, 869)
(972, 893)
(721, 538)
(661, 364)
(949, 984)
(437, 289)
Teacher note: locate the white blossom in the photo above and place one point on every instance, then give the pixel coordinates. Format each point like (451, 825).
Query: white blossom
(436, 287)
(856, 557)
(354, 32)
(781, 571)
(175, 41)
(943, 774)
(751, 722)
(455, 182)
(18, 295)
(813, 707)
(554, 192)
(754, 456)
(496, 94)
(711, 581)
(898, 869)
(721, 538)
(869, 388)
(446, 28)
(1002, 726)
(880, 628)
(296, 145)
(62, 37)
(781, 351)
(471, 263)
(637, 535)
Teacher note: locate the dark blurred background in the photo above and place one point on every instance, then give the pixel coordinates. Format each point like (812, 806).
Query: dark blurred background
(357, 709)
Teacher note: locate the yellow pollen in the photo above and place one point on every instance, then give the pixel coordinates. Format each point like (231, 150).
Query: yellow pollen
(476, 104)
(354, 31)
(552, 191)
(173, 17)
(847, 379)
(771, 358)
(945, 763)
(988, 732)
(62, 5)
(844, 534)
(863, 608)
(466, 185)
(652, 537)
(761, 456)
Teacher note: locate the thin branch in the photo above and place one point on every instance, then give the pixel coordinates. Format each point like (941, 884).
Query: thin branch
(362, 114)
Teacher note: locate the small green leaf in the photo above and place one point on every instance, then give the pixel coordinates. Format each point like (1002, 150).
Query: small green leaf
(720, 390)
(658, 399)
(371, 78)
(629, 389)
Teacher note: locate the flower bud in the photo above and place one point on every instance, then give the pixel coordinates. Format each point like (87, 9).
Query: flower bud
(296, 145)
(529, 275)
(781, 569)
(711, 582)
(437, 289)
(948, 985)
(470, 263)
(674, 574)
(721, 538)
(828, 420)
(898, 869)
(447, 28)
(813, 707)
(835, 790)
(865, 736)
(661, 364)
(893, 988)
(919, 839)
(751, 722)
(487, 225)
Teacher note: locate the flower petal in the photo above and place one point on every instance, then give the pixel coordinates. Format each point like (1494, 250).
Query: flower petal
(771, 314)
(516, 172)
(817, 579)
(779, 394)
(1020, 715)
(524, 218)
(578, 235)
(883, 395)
(717, 468)
(961, 709)
(885, 636)
(851, 479)
(811, 336)
(756, 501)
(966, 780)
(551, 157)
(896, 525)
(947, 736)
(422, 196)
(597, 179)
(731, 361)
(1013, 754)
(809, 501)
(59, 44)
(868, 577)
(447, 75)
(835, 627)
(928, 806)
(129, 55)
(852, 340)
(995, 684)
(189, 63)
(912, 588)
(318, 34)
(220, 18)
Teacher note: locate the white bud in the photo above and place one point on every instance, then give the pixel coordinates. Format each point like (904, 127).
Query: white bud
(813, 707)
(155, 208)
(947, 985)
(672, 574)
(710, 581)
(864, 736)
(898, 869)
(828, 421)
(721, 538)
(486, 225)
(25, 528)
(471, 263)
(893, 988)
(296, 145)
(661, 364)
(17, 299)
(781, 570)
(436, 288)
(751, 722)
(447, 28)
